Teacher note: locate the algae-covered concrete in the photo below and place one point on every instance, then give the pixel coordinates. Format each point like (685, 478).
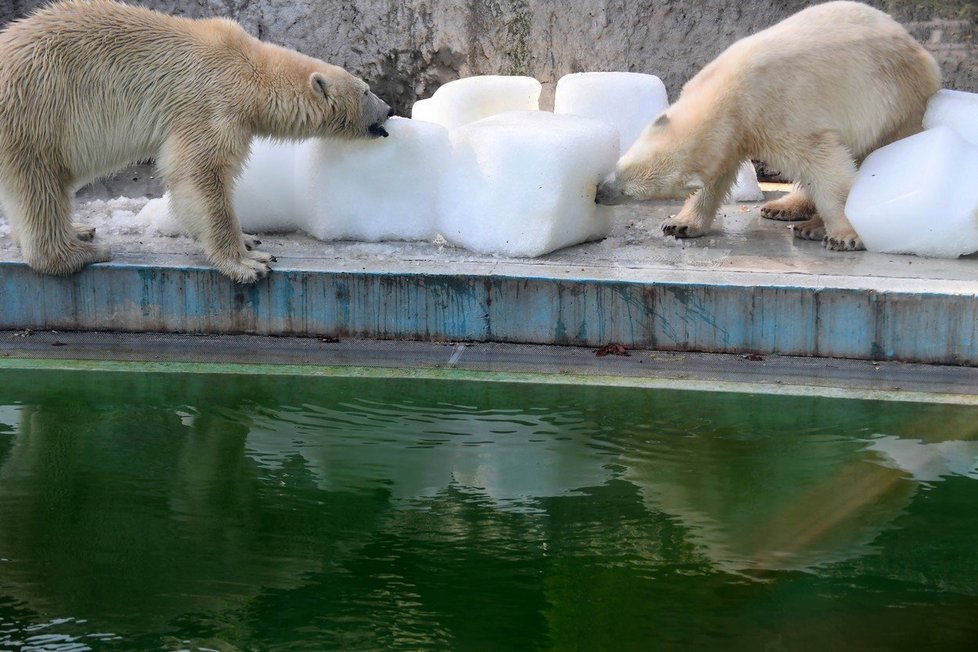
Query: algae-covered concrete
(407, 48)
(563, 365)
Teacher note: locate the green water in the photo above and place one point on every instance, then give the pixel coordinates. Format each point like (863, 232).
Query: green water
(154, 511)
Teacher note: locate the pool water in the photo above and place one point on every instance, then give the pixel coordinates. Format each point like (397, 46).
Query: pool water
(165, 511)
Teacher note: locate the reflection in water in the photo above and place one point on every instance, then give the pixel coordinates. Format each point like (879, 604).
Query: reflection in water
(511, 455)
(142, 511)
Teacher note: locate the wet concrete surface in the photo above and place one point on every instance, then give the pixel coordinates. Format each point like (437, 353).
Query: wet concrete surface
(741, 245)
(748, 286)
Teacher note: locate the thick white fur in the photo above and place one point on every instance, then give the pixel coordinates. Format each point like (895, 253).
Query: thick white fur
(88, 86)
(812, 96)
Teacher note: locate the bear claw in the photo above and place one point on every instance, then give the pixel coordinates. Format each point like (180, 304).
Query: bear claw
(782, 215)
(851, 243)
(679, 231)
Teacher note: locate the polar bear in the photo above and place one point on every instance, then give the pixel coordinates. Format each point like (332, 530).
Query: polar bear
(812, 95)
(88, 86)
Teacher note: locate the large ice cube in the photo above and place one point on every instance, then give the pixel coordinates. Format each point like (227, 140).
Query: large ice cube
(426, 110)
(522, 183)
(381, 189)
(466, 100)
(918, 195)
(627, 100)
(955, 109)
(265, 199)
(264, 196)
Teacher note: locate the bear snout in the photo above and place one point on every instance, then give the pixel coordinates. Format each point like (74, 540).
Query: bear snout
(608, 193)
(380, 111)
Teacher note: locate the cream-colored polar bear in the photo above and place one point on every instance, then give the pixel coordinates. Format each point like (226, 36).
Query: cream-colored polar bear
(812, 95)
(88, 86)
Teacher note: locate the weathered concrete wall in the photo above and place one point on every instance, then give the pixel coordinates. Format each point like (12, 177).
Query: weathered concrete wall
(407, 48)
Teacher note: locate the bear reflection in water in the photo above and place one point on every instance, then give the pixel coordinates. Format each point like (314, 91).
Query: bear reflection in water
(143, 496)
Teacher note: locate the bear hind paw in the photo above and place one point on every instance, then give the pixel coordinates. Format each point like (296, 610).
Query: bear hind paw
(810, 230)
(847, 241)
(69, 260)
(788, 209)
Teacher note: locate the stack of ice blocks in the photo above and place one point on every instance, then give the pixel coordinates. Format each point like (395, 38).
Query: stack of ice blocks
(630, 101)
(462, 101)
(522, 183)
(334, 189)
(918, 195)
(381, 189)
(478, 163)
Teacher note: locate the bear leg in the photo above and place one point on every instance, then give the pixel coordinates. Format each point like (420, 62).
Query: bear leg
(220, 235)
(39, 205)
(827, 169)
(699, 210)
(199, 173)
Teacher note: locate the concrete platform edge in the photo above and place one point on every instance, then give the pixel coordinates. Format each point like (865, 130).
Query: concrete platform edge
(666, 315)
(247, 354)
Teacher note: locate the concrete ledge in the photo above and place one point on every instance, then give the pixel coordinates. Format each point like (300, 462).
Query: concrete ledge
(247, 354)
(687, 311)
(747, 287)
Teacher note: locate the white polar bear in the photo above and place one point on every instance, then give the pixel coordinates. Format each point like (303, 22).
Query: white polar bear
(88, 86)
(812, 96)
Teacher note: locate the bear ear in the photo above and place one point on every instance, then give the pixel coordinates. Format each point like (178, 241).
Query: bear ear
(321, 85)
(661, 121)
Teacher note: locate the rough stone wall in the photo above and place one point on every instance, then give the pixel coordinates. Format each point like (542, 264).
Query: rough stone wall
(407, 48)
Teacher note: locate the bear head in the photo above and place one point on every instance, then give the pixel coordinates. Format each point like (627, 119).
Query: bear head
(657, 166)
(346, 104)
(300, 97)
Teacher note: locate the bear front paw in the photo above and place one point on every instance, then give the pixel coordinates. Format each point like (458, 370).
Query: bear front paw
(261, 256)
(244, 270)
(679, 229)
(68, 259)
